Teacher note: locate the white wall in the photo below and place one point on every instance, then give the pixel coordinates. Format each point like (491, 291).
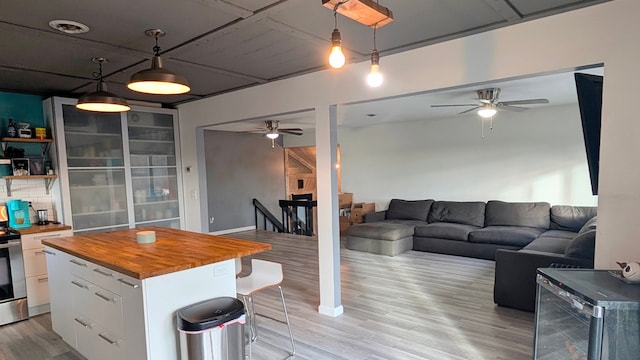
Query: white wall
(601, 34)
(536, 155)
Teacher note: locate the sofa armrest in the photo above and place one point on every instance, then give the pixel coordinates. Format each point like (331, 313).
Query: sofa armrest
(515, 277)
(376, 216)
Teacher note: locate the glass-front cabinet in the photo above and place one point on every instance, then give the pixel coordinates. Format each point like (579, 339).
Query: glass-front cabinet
(116, 170)
(154, 173)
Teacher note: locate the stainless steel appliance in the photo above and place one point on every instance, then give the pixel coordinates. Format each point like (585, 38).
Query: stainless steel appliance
(43, 217)
(586, 315)
(13, 289)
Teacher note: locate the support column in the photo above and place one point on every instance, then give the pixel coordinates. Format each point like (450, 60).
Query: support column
(328, 226)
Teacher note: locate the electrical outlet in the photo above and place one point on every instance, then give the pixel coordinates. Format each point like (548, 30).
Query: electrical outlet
(211, 220)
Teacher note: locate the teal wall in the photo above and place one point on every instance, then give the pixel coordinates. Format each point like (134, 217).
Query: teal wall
(22, 108)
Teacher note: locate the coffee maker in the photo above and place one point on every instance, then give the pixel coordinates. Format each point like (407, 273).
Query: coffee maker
(18, 214)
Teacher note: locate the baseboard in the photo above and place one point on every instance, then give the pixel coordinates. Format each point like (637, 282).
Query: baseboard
(229, 231)
(331, 311)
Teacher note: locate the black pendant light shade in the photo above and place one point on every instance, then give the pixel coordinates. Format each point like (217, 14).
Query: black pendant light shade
(158, 80)
(102, 100)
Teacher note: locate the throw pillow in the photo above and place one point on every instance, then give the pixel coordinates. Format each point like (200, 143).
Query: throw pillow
(582, 246)
(409, 209)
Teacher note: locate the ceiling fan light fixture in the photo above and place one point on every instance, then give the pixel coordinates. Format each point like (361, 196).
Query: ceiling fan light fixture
(102, 100)
(272, 135)
(487, 111)
(158, 80)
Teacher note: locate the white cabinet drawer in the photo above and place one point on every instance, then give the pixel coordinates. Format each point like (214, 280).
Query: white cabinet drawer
(108, 309)
(105, 278)
(35, 262)
(82, 297)
(109, 344)
(37, 290)
(85, 335)
(80, 267)
(31, 241)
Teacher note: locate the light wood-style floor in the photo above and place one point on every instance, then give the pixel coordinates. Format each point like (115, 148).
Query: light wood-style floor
(416, 305)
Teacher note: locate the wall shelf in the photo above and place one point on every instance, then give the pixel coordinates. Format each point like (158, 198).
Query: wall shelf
(45, 142)
(48, 181)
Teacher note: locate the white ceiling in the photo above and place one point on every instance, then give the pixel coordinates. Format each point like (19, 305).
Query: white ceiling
(558, 88)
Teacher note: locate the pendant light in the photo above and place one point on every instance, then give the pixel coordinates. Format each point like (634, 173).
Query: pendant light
(101, 100)
(337, 58)
(375, 78)
(157, 80)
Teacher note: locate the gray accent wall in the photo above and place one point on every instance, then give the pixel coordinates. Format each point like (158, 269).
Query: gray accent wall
(239, 168)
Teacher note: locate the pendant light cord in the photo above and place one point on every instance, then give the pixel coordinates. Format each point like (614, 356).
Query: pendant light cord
(156, 49)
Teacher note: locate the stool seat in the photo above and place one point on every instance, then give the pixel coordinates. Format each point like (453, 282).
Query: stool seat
(264, 274)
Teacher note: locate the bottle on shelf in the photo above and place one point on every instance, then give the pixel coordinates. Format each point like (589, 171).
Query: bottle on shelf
(11, 129)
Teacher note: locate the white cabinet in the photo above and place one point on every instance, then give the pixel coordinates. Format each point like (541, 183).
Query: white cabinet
(35, 269)
(59, 295)
(116, 170)
(103, 310)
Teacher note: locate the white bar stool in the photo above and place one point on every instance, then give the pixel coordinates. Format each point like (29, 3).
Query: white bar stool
(264, 274)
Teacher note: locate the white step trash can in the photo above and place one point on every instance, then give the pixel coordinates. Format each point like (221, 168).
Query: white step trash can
(212, 330)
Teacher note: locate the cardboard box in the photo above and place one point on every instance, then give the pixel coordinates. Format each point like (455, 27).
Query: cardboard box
(345, 200)
(344, 225)
(358, 210)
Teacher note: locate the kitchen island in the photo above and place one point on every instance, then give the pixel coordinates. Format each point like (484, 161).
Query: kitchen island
(113, 298)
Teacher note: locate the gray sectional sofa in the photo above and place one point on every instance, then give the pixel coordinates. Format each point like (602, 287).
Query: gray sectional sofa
(519, 236)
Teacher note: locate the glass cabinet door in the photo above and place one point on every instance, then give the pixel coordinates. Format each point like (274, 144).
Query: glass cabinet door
(96, 171)
(152, 152)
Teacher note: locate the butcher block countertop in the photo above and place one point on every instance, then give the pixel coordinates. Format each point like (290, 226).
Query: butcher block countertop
(36, 229)
(173, 250)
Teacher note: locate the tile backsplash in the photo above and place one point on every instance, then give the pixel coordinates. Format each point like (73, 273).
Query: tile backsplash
(30, 190)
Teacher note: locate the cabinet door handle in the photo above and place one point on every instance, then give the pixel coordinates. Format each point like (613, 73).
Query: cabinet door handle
(102, 272)
(105, 297)
(135, 286)
(44, 279)
(76, 262)
(85, 324)
(107, 339)
(40, 252)
(48, 252)
(80, 285)
(48, 237)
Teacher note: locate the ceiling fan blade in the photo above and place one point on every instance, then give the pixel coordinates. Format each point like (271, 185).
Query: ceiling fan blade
(525, 102)
(470, 110)
(291, 129)
(448, 105)
(296, 132)
(510, 108)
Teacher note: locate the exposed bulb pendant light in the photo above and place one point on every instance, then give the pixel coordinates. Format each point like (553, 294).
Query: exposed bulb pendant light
(337, 58)
(487, 111)
(101, 100)
(158, 80)
(375, 78)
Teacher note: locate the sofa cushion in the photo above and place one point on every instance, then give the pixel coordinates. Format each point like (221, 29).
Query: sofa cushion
(559, 234)
(384, 230)
(571, 218)
(589, 225)
(582, 246)
(505, 235)
(470, 213)
(445, 230)
(528, 214)
(549, 244)
(409, 209)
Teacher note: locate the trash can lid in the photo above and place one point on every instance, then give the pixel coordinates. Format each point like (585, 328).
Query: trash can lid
(209, 313)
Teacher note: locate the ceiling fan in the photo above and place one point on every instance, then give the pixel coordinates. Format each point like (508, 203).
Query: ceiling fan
(489, 103)
(273, 130)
